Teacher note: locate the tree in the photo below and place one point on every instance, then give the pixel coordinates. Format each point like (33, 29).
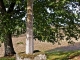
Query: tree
(52, 22)
(57, 23)
(29, 33)
(11, 14)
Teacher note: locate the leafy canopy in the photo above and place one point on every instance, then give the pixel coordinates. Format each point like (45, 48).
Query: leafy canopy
(11, 14)
(52, 22)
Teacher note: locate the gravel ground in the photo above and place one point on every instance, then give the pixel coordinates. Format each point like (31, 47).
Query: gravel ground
(19, 45)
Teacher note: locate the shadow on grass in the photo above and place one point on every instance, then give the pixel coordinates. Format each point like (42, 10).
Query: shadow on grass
(64, 53)
(70, 47)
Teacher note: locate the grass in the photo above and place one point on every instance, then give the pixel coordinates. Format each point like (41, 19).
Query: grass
(20, 43)
(62, 55)
(54, 55)
(7, 58)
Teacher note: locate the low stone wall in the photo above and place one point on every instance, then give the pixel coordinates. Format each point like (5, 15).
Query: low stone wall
(31, 57)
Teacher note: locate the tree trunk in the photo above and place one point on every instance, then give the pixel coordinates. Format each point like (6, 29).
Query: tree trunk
(29, 27)
(9, 50)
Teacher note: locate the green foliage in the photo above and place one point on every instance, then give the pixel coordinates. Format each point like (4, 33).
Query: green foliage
(56, 25)
(11, 20)
(52, 25)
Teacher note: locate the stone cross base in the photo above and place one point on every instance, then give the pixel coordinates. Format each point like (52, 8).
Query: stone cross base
(31, 57)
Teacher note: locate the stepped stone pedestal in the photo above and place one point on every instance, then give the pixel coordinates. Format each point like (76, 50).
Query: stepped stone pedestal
(23, 56)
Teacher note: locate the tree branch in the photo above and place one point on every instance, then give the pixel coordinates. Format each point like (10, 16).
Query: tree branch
(2, 7)
(11, 7)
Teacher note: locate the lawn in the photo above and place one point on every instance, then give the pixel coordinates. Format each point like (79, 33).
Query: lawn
(55, 55)
(7, 58)
(62, 55)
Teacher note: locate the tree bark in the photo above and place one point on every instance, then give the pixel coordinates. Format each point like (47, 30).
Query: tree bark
(9, 50)
(8, 45)
(29, 27)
